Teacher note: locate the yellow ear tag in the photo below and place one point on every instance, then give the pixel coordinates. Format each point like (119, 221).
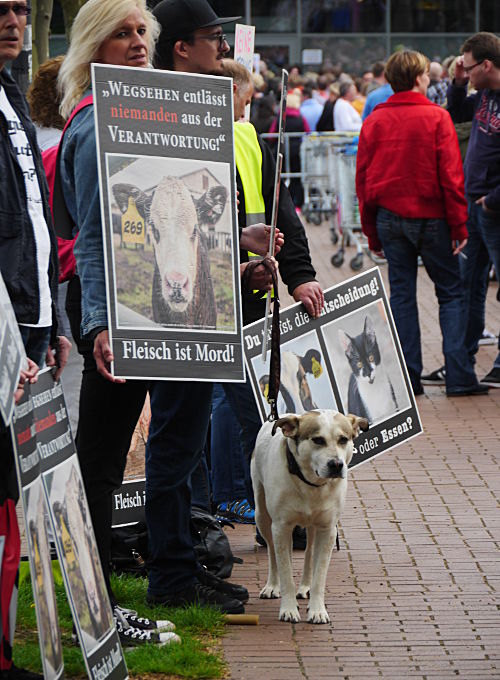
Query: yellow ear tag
(316, 368)
(265, 391)
(132, 224)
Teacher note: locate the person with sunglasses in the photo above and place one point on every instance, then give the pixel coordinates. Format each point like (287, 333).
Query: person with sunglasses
(479, 65)
(28, 264)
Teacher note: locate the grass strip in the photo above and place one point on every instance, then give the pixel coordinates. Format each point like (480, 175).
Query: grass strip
(199, 655)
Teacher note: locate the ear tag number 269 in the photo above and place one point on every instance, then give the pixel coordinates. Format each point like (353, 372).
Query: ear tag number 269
(132, 224)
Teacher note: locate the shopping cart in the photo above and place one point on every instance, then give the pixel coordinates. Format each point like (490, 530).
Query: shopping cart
(347, 205)
(317, 171)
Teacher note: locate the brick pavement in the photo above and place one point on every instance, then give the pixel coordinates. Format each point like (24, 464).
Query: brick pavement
(414, 590)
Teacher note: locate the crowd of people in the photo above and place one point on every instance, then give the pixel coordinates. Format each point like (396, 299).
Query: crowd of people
(413, 204)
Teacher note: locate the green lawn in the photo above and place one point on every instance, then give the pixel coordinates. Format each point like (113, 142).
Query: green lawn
(199, 655)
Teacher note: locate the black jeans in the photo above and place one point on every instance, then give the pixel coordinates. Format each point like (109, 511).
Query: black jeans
(108, 415)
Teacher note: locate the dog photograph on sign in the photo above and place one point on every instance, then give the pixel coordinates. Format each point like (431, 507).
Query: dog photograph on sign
(172, 243)
(304, 382)
(80, 557)
(42, 579)
(366, 364)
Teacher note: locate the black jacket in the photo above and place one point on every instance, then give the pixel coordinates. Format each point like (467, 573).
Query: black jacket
(294, 259)
(18, 263)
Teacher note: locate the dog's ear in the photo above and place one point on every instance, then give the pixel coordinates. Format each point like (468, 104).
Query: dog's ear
(289, 426)
(358, 424)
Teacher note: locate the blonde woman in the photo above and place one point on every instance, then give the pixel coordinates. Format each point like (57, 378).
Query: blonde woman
(122, 33)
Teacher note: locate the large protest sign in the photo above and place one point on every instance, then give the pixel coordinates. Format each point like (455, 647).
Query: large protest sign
(52, 487)
(349, 359)
(167, 177)
(12, 354)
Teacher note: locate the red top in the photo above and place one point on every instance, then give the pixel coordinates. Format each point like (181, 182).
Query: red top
(409, 163)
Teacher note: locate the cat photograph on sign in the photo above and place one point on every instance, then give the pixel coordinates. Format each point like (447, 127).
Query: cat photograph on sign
(304, 383)
(79, 552)
(172, 243)
(366, 365)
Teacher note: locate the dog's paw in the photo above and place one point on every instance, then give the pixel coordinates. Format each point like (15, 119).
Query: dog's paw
(290, 614)
(318, 615)
(270, 592)
(303, 593)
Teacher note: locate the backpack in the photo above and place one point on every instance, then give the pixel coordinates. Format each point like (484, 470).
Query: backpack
(129, 546)
(63, 222)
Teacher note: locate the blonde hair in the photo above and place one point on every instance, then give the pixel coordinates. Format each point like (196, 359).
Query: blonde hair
(240, 75)
(403, 67)
(94, 23)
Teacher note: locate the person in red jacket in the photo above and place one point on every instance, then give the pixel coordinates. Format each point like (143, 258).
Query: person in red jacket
(410, 186)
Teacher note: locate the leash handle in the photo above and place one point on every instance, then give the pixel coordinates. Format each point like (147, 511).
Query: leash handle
(275, 361)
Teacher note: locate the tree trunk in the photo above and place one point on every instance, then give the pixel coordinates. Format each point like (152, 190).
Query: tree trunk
(70, 10)
(42, 14)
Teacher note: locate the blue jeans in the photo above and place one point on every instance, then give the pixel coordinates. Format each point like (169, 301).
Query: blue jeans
(180, 413)
(36, 343)
(226, 455)
(483, 247)
(403, 240)
(240, 397)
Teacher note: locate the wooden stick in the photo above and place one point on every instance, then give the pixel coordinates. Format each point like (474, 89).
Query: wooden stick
(242, 619)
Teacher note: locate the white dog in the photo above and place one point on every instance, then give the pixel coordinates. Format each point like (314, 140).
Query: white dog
(299, 478)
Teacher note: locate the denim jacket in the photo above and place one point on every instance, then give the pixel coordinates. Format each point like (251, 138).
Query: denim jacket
(80, 185)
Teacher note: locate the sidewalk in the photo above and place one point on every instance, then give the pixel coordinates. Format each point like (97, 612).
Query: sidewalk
(414, 590)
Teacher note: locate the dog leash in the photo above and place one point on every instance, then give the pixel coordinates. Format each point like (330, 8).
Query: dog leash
(275, 361)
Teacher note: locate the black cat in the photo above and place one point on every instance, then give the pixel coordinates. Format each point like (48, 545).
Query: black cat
(370, 394)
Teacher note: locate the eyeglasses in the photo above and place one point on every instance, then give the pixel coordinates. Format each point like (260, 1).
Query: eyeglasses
(468, 69)
(19, 10)
(221, 37)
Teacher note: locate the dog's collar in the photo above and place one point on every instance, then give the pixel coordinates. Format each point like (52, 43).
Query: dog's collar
(294, 469)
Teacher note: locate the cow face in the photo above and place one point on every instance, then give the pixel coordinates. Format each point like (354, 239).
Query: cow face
(174, 219)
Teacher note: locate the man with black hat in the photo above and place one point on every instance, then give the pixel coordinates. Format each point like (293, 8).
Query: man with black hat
(177, 434)
(191, 39)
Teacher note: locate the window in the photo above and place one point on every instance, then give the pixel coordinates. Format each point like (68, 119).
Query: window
(432, 16)
(343, 16)
(279, 16)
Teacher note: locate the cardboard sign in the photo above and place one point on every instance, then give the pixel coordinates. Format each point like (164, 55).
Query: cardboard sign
(51, 487)
(349, 360)
(244, 40)
(168, 202)
(12, 354)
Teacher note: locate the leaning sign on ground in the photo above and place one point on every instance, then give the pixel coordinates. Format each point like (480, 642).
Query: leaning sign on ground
(167, 177)
(349, 360)
(12, 354)
(51, 486)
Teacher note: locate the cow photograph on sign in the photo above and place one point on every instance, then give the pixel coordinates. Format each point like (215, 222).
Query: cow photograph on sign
(172, 243)
(366, 365)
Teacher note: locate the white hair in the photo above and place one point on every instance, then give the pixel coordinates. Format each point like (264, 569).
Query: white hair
(94, 23)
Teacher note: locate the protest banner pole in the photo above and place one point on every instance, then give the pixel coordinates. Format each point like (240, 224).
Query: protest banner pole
(277, 180)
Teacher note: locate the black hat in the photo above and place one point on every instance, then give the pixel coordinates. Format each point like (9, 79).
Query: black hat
(179, 18)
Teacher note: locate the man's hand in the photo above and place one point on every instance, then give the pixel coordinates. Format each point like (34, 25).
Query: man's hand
(311, 296)
(458, 246)
(58, 355)
(104, 356)
(482, 202)
(28, 375)
(255, 238)
(260, 277)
